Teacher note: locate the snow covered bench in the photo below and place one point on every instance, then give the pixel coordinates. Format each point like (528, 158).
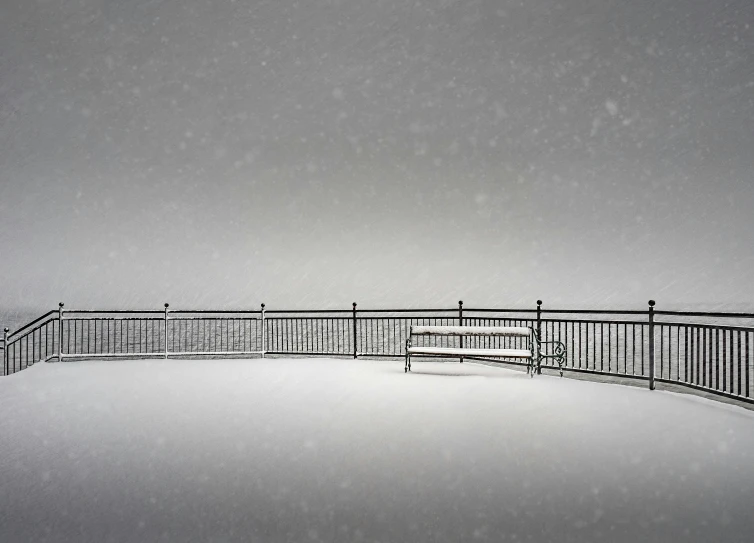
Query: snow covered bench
(532, 351)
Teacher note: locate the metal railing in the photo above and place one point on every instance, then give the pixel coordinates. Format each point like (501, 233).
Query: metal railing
(711, 352)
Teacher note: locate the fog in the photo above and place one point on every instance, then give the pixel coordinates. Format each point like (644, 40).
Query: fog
(312, 154)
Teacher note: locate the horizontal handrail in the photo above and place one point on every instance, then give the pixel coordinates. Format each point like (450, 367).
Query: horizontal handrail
(17, 336)
(706, 326)
(593, 321)
(596, 311)
(112, 311)
(32, 323)
(543, 310)
(67, 318)
(706, 314)
(454, 310)
(217, 312)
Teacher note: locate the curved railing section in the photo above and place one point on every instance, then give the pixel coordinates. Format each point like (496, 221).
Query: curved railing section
(33, 342)
(705, 351)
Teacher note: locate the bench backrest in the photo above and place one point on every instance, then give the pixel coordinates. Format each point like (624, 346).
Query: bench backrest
(516, 331)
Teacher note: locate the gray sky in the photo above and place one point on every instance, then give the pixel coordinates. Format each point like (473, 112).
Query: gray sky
(309, 154)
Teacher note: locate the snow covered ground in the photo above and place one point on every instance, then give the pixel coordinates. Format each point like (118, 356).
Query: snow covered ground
(343, 450)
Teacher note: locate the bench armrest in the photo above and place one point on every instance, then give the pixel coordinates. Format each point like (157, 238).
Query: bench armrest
(558, 353)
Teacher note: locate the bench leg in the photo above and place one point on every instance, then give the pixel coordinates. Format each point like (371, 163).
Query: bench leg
(407, 367)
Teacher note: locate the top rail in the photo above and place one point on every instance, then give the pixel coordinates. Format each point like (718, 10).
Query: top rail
(32, 323)
(452, 311)
(112, 311)
(215, 312)
(706, 314)
(425, 330)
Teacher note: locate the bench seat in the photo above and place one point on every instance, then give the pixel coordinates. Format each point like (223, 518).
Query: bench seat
(456, 351)
(521, 334)
(507, 331)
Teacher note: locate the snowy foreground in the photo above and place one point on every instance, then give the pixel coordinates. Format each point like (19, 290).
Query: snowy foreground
(343, 450)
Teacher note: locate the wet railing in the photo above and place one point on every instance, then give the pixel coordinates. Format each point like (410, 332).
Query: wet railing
(712, 352)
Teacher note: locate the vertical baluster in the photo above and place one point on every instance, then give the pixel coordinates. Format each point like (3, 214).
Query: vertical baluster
(586, 345)
(747, 364)
(6, 351)
(60, 331)
(165, 321)
(738, 373)
(678, 352)
(75, 336)
(662, 344)
(686, 354)
(710, 367)
(355, 353)
(698, 355)
(651, 345)
(717, 359)
(702, 346)
(633, 349)
(642, 347)
(692, 355)
(609, 346)
(705, 348)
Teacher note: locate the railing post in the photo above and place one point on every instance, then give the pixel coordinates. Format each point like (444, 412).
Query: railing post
(354, 331)
(264, 334)
(651, 344)
(166, 330)
(5, 350)
(60, 331)
(539, 337)
(460, 323)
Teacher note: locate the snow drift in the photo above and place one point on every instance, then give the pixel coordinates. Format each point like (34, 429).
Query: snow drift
(342, 450)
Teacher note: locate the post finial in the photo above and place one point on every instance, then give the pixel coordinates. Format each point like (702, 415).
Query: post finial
(354, 305)
(60, 304)
(460, 302)
(262, 306)
(167, 305)
(6, 329)
(539, 302)
(651, 303)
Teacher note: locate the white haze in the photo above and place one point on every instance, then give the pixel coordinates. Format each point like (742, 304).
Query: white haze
(312, 154)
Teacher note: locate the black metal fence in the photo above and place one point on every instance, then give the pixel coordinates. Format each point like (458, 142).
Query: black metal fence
(712, 352)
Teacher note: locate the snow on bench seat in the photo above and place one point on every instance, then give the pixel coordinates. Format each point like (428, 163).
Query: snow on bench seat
(456, 351)
(517, 331)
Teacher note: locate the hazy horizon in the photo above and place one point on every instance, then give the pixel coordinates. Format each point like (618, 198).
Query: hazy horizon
(308, 155)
